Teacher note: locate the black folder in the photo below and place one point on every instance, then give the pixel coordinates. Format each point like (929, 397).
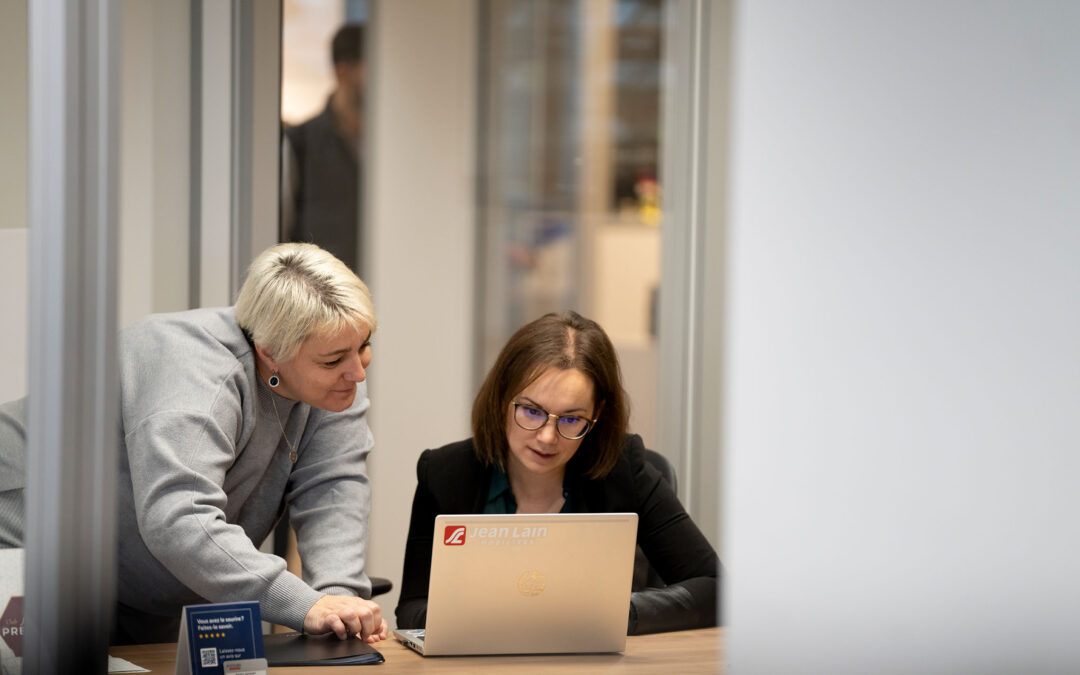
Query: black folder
(297, 649)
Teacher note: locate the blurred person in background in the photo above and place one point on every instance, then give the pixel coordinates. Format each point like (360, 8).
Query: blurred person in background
(322, 160)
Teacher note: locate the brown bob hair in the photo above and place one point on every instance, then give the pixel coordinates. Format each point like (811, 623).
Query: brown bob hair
(564, 341)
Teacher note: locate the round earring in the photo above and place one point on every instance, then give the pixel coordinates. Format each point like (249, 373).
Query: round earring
(274, 380)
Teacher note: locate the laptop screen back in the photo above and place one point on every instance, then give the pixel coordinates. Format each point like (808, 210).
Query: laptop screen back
(538, 583)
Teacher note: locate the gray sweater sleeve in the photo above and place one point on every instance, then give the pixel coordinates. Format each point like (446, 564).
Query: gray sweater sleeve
(178, 464)
(12, 472)
(330, 499)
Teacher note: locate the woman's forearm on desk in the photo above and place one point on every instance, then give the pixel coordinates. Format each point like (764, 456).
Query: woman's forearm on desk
(682, 606)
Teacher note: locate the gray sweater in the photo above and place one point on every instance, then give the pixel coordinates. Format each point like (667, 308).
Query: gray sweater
(205, 473)
(12, 472)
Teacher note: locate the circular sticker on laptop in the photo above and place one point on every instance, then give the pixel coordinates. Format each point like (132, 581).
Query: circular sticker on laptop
(531, 583)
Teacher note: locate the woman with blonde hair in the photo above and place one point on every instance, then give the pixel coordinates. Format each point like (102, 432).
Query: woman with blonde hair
(230, 417)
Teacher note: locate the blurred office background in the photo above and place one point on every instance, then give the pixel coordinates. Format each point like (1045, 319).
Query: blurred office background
(835, 244)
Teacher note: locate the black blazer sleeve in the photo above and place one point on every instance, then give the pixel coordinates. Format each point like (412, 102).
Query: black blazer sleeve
(448, 480)
(412, 603)
(675, 547)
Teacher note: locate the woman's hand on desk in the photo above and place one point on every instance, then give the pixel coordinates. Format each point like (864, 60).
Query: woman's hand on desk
(344, 616)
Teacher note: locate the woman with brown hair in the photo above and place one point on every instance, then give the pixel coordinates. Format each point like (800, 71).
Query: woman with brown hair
(549, 436)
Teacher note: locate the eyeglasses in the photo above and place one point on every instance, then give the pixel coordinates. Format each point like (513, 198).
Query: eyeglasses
(531, 418)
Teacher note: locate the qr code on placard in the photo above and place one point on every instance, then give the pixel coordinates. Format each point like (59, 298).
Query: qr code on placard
(209, 657)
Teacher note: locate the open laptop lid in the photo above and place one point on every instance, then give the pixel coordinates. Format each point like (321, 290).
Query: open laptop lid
(536, 583)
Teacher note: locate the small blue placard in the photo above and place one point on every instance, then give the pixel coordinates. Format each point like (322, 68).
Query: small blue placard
(210, 635)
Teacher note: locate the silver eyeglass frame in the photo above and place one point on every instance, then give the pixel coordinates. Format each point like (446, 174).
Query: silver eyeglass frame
(588, 422)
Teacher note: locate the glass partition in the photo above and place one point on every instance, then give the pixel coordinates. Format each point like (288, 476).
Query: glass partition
(14, 293)
(570, 189)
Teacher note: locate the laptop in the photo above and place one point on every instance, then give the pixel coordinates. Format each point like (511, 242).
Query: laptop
(528, 584)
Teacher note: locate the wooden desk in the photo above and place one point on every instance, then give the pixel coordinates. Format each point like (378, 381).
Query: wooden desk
(691, 651)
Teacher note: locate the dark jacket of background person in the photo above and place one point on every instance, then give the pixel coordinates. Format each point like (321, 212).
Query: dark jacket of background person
(322, 164)
(321, 188)
(451, 480)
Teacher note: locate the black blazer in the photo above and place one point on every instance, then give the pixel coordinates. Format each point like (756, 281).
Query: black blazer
(452, 480)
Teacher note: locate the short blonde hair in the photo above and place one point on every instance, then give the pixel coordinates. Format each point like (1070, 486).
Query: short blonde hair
(293, 291)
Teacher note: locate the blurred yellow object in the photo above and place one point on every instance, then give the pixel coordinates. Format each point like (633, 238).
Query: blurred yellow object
(648, 194)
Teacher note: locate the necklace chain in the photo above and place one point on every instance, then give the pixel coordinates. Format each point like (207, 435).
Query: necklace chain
(292, 448)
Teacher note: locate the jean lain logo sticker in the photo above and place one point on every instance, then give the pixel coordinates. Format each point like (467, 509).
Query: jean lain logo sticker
(454, 535)
(11, 624)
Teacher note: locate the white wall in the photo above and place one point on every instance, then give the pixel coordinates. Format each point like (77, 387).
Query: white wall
(14, 129)
(420, 252)
(215, 154)
(154, 159)
(14, 124)
(902, 374)
(707, 498)
(154, 172)
(14, 296)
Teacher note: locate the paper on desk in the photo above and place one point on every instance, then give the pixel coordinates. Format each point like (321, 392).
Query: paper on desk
(121, 666)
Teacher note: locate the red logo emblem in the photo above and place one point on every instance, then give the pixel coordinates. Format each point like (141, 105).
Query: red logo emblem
(454, 535)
